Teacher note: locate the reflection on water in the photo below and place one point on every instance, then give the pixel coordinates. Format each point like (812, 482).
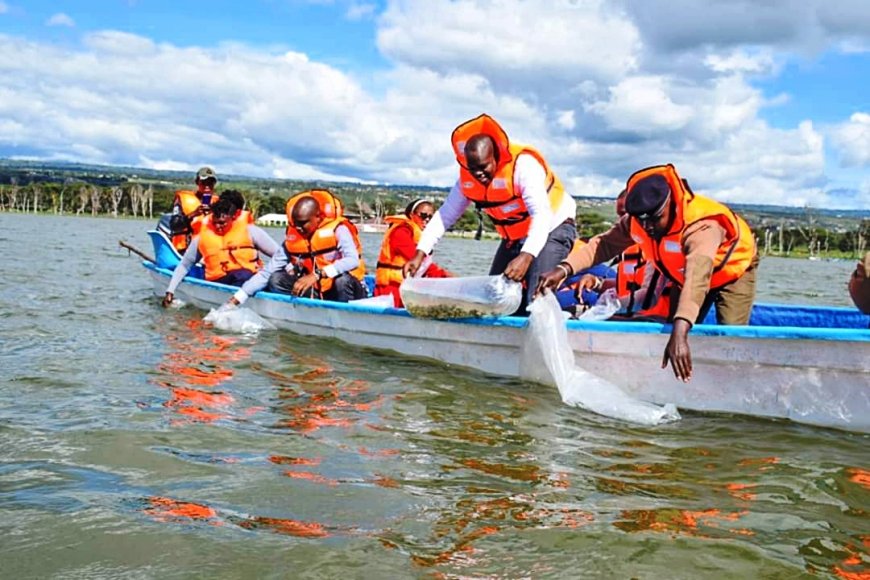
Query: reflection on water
(136, 442)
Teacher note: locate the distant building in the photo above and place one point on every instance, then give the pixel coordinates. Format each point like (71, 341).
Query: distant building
(272, 219)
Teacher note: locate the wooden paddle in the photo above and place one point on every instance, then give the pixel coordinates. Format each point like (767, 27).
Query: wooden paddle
(132, 249)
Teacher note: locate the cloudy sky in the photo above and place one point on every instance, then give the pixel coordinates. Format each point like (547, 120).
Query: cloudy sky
(753, 101)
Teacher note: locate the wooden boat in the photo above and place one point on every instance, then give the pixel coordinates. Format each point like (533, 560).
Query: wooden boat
(804, 363)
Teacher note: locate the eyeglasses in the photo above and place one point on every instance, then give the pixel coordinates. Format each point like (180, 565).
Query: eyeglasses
(301, 225)
(424, 216)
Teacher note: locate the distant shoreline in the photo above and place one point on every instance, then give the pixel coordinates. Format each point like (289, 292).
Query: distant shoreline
(465, 234)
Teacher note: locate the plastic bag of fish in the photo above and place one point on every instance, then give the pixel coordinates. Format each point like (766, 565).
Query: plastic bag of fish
(469, 297)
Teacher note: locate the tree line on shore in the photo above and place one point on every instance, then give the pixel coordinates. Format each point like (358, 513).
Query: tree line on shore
(777, 236)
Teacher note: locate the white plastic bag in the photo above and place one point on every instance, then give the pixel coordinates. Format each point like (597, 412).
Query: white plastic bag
(547, 358)
(382, 301)
(607, 305)
(472, 296)
(235, 319)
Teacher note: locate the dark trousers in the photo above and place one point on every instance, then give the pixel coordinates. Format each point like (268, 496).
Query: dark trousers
(558, 246)
(235, 278)
(344, 287)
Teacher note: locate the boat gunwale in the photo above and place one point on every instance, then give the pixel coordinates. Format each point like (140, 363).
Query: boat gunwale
(605, 326)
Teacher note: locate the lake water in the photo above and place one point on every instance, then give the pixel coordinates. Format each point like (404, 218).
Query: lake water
(136, 443)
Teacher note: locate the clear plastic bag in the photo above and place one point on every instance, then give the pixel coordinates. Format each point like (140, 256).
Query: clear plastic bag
(547, 358)
(236, 319)
(382, 301)
(607, 305)
(468, 297)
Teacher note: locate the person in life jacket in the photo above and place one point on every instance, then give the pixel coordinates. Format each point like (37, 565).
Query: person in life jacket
(228, 244)
(706, 250)
(515, 186)
(399, 246)
(190, 208)
(643, 292)
(321, 256)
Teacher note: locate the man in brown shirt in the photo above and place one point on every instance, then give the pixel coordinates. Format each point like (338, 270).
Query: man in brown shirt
(653, 207)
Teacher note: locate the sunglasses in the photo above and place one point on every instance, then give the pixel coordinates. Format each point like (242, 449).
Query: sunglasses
(424, 216)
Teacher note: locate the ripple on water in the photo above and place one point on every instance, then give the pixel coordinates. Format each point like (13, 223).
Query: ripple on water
(136, 441)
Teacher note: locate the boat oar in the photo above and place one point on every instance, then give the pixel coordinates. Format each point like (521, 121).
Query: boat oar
(132, 249)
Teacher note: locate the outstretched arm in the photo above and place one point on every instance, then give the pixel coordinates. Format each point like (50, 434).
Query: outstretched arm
(190, 257)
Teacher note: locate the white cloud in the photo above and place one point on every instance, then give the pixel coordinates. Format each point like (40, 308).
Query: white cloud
(60, 19)
(852, 140)
(586, 81)
(566, 120)
(741, 61)
(512, 42)
(801, 24)
(642, 105)
(360, 11)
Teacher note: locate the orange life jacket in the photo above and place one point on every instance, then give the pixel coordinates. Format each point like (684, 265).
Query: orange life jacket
(230, 252)
(389, 266)
(322, 249)
(735, 253)
(330, 206)
(631, 273)
(189, 202)
(504, 206)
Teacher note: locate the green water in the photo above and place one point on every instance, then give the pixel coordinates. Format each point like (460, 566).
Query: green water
(136, 443)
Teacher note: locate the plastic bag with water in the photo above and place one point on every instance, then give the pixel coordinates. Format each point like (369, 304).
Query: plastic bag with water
(547, 358)
(468, 297)
(607, 305)
(236, 319)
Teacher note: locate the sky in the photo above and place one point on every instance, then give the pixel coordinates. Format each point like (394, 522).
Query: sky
(753, 101)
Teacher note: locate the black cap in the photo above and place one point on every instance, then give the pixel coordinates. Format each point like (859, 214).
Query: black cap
(647, 197)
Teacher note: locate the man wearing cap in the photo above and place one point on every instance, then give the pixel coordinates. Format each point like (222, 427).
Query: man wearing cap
(190, 208)
(706, 250)
(516, 187)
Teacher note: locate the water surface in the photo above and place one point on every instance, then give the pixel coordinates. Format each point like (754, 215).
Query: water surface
(136, 443)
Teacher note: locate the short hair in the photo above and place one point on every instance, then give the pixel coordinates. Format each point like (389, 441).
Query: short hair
(223, 206)
(234, 197)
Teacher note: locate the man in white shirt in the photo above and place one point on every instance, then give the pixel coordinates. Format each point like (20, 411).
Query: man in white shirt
(513, 184)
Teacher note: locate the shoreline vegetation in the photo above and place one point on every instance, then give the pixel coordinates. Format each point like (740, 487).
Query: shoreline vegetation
(131, 193)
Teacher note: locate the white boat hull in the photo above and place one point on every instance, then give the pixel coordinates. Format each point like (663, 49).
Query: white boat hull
(819, 378)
